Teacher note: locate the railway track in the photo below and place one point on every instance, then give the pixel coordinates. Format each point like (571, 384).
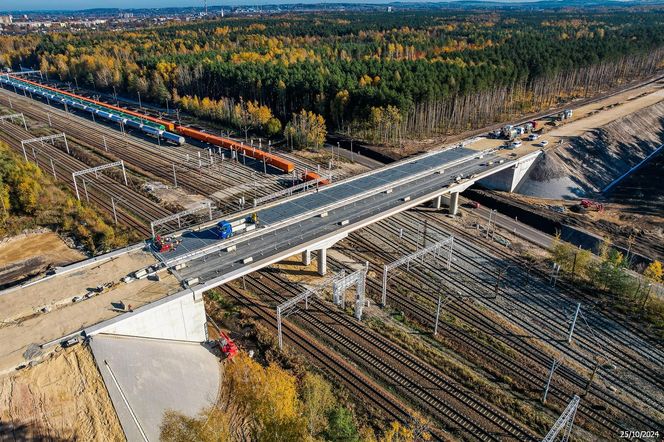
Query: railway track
(327, 360)
(132, 209)
(206, 174)
(552, 303)
(186, 156)
(626, 331)
(631, 345)
(487, 327)
(533, 375)
(423, 384)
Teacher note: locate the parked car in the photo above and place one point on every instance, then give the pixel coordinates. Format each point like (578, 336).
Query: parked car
(533, 137)
(515, 144)
(543, 143)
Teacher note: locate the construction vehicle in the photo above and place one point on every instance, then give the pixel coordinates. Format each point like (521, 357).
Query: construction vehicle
(164, 245)
(592, 205)
(224, 230)
(565, 115)
(226, 345)
(509, 132)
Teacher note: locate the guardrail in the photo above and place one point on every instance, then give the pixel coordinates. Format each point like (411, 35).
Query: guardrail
(314, 212)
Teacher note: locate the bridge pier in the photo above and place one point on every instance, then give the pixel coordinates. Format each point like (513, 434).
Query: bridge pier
(454, 203)
(306, 257)
(437, 202)
(322, 262)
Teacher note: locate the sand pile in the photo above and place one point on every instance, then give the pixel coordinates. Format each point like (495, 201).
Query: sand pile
(63, 398)
(588, 163)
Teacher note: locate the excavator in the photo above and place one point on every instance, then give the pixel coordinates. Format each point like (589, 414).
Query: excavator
(592, 205)
(226, 345)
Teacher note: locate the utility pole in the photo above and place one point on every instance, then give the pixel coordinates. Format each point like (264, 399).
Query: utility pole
(435, 327)
(592, 378)
(85, 188)
(555, 270)
(115, 215)
(571, 329)
(501, 274)
(556, 363)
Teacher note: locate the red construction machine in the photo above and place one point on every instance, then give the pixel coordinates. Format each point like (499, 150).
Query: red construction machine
(226, 345)
(165, 244)
(592, 205)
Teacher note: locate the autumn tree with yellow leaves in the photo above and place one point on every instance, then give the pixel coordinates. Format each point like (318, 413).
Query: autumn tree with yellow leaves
(306, 130)
(270, 404)
(30, 199)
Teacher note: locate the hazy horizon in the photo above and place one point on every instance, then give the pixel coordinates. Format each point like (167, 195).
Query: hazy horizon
(76, 5)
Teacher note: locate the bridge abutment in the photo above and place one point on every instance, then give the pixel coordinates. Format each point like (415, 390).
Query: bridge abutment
(507, 180)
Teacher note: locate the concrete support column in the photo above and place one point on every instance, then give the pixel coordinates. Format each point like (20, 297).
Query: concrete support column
(306, 257)
(437, 202)
(454, 203)
(322, 262)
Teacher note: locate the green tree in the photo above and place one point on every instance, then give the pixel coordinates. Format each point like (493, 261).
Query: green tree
(317, 402)
(341, 426)
(273, 127)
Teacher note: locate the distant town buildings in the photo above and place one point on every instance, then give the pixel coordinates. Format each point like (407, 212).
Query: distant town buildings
(5, 19)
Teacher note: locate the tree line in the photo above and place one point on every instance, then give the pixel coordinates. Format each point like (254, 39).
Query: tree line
(609, 275)
(441, 70)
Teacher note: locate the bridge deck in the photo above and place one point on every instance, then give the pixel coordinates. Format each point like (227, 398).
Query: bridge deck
(336, 193)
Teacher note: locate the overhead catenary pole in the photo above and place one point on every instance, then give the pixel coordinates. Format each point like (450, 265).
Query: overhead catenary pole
(281, 342)
(554, 365)
(564, 423)
(85, 188)
(433, 249)
(435, 327)
(73, 177)
(115, 215)
(571, 328)
(124, 173)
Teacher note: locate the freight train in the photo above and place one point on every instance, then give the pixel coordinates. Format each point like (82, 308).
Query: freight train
(156, 127)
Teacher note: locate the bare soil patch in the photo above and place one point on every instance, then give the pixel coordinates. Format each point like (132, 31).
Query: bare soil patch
(32, 253)
(63, 398)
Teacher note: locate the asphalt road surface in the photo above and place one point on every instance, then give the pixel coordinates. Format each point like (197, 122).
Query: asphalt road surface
(279, 240)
